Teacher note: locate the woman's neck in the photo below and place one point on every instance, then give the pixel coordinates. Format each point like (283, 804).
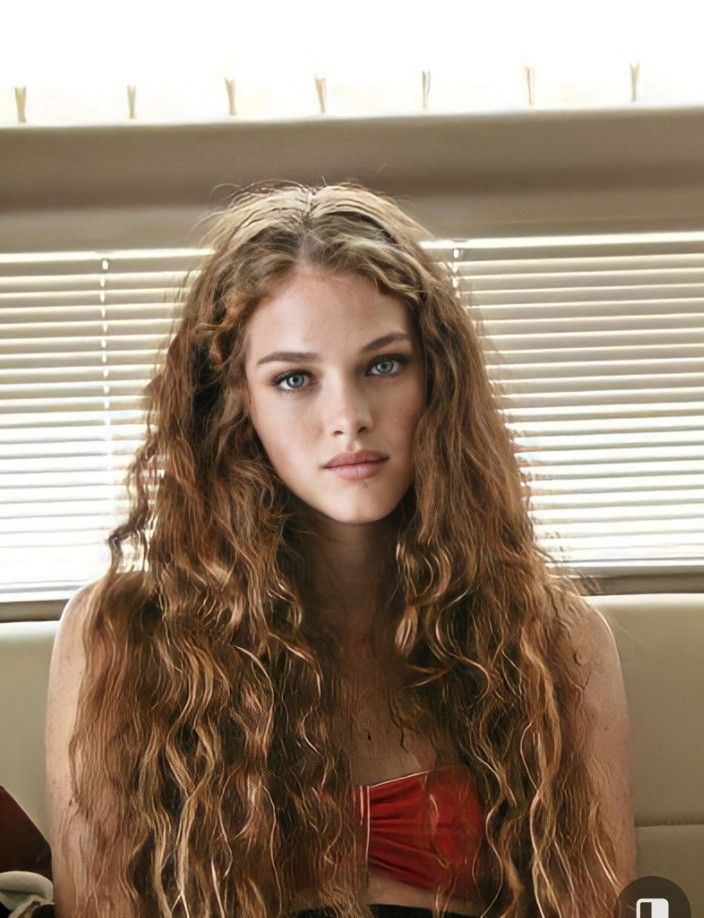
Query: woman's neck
(350, 566)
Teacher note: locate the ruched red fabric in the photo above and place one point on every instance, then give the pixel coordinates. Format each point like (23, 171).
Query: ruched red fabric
(398, 830)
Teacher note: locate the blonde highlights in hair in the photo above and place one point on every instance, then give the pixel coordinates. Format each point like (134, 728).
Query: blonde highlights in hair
(212, 719)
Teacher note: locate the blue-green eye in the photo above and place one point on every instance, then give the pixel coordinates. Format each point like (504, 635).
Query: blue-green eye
(385, 358)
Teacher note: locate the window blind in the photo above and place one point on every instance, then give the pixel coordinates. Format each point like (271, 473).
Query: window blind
(594, 344)
(81, 336)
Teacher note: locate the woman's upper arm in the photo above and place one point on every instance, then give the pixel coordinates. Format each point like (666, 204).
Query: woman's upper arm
(65, 675)
(610, 742)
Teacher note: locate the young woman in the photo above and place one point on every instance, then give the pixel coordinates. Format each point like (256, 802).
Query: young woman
(343, 680)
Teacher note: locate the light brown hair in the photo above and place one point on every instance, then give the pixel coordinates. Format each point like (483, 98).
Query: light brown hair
(215, 776)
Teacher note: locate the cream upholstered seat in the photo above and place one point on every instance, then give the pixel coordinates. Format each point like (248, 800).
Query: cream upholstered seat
(660, 639)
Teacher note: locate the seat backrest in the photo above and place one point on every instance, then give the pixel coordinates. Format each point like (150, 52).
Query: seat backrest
(25, 654)
(660, 640)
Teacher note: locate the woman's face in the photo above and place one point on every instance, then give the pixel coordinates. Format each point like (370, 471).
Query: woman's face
(347, 397)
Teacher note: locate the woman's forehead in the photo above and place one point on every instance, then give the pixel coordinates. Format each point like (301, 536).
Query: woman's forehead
(302, 315)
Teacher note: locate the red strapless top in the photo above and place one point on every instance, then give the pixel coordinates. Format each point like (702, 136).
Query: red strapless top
(399, 833)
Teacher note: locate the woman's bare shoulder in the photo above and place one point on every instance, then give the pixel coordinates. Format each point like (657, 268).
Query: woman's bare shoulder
(75, 613)
(68, 836)
(67, 661)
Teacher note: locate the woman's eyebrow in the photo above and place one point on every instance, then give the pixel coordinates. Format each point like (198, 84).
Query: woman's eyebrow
(311, 355)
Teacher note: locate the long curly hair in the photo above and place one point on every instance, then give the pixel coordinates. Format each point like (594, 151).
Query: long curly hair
(213, 715)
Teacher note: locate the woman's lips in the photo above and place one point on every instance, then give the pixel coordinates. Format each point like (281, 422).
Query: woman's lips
(359, 470)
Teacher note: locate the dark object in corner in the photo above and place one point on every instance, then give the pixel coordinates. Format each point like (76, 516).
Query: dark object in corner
(22, 847)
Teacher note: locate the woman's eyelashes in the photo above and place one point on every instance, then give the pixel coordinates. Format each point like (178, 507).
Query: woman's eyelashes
(402, 359)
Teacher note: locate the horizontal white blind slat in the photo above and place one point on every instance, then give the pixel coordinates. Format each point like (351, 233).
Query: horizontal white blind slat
(116, 261)
(31, 507)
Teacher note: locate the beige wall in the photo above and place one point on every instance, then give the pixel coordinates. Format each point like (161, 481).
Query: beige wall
(460, 175)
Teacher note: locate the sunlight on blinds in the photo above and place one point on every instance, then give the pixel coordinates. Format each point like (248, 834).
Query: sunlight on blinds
(81, 336)
(594, 344)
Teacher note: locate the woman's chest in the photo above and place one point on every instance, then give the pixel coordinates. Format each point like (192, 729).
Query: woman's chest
(380, 748)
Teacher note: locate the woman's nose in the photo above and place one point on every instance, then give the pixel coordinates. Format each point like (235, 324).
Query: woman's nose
(348, 407)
